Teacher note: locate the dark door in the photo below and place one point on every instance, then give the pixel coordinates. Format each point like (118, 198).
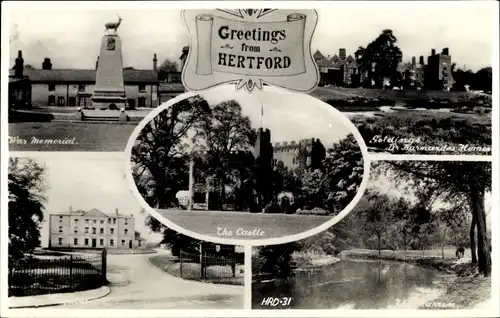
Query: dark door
(94, 242)
(141, 102)
(130, 244)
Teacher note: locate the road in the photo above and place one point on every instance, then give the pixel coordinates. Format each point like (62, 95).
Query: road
(270, 225)
(137, 284)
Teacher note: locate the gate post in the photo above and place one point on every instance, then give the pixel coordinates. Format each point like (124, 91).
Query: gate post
(71, 271)
(104, 265)
(180, 261)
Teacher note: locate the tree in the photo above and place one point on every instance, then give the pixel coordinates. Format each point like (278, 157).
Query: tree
(377, 216)
(26, 204)
(29, 67)
(384, 55)
(343, 171)
(159, 155)
(458, 182)
(224, 133)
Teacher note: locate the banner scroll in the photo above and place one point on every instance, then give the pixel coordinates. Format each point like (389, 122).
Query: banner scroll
(250, 49)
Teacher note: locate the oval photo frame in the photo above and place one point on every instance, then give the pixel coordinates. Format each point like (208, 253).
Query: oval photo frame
(342, 119)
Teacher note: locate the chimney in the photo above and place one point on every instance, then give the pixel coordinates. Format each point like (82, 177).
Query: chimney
(413, 61)
(155, 63)
(116, 211)
(97, 63)
(421, 61)
(342, 54)
(46, 65)
(19, 65)
(445, 51)
(433, 52)
(70, 209)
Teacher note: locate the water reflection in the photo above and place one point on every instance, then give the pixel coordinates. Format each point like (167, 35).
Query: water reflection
(354, 284)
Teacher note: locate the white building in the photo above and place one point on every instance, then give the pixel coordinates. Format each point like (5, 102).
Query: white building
(93, 229)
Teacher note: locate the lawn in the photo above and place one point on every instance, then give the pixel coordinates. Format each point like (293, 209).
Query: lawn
(325, 93)
(216, 274)
(271, 225)
(81, 136)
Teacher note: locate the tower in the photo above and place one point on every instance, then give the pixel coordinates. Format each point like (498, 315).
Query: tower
(109, 89)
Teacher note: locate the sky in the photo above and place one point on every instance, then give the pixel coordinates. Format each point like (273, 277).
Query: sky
(289, 116)
(87, 181)
(71, 37)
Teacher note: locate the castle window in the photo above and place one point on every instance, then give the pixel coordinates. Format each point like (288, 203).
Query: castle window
(101, 231)
(123, 242)
(60, 241)
(101, 241)
(86, 241)
(111, 242)
(81, 87)
(52, 87)
(86, 230)
(142, 88)
(126, 221)
(139, 243)
(126, 231)
(94, 230)
(111, 231)
(75, 241)
(76, 230)
(52, 100)
(60, 229)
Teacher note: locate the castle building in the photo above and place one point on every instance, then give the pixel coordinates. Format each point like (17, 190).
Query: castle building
(438, 71)
(304, 154)
(93, 229)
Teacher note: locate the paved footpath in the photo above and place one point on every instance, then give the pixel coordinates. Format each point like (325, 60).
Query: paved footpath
(137, 284)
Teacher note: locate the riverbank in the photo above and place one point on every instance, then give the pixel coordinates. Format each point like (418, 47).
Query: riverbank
(464, 288)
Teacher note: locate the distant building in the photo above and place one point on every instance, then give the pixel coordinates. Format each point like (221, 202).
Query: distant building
(438, 73)
(341, 70)
(304, 154)
(93, 229)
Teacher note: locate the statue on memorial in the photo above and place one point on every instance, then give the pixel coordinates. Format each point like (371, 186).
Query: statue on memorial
(113, 25)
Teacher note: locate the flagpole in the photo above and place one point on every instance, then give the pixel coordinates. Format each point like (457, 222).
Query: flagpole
(261, 113)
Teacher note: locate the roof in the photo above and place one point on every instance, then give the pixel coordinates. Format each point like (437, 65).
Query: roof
(86, 76)
(171, 87)
(320, 58)
(91, 213)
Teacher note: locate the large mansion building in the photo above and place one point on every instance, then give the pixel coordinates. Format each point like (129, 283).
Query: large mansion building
(93, 229)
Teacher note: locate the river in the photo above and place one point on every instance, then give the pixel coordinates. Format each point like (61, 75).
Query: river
(354, 284)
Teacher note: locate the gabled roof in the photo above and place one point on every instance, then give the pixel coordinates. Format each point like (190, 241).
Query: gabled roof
(86, 76)
(320, 58)
(95, 212)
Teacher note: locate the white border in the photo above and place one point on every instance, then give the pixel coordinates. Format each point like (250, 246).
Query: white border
(258, 242)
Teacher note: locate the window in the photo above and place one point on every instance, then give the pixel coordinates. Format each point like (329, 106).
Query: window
(72, 101)
(87, 221)
(86, 241)
(86, 230)
(76, 220)
(60, 241)
(75, 241)
(52, 87)
(101, 231)
(102, 221)
(126, 221)
(81, 87)
(111, 231)
(95, 221)
(126, 231)
(114, 220)
(94, 230)
(139, 243)
(101, 241)
(123, 242)
(142, 88)
(60, 101)
(111, 242)
(76, 229)
(141, 101)
(60, 229)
